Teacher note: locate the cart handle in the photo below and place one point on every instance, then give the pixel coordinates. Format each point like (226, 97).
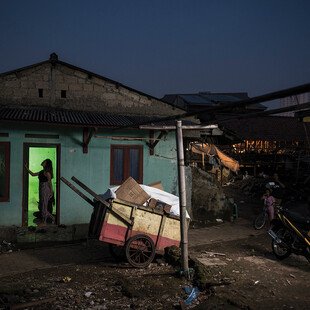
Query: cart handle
(118, 214)
(77, 191)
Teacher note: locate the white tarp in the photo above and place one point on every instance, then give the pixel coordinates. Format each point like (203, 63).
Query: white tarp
(154, 193)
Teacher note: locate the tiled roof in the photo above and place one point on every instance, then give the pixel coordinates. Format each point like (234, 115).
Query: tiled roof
(75, 118)
(45, 115)
(271, 128)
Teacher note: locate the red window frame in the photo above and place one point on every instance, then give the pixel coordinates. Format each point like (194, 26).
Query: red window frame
(126, 160)
(6, 196)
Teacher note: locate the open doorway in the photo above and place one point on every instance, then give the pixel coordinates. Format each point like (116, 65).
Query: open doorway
(34, 155)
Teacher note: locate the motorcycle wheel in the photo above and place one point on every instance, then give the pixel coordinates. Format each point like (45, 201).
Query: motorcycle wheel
(280, 251)
(260, 221)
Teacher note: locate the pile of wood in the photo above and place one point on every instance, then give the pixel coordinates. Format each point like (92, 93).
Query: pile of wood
(159, 205)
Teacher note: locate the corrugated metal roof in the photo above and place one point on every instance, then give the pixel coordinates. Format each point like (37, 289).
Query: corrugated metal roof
(304, 113)
(81, 118)
(208, 99)
(220, 97)
(196, 99)
(270, 128)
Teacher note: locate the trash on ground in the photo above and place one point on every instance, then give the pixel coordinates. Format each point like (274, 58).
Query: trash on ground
(88, 294)
(192, 293)
(66, 279)
(214, 253)
(6, 247)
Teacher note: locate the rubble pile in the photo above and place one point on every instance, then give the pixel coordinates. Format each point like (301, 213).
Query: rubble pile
(250, 186)
(209, 201)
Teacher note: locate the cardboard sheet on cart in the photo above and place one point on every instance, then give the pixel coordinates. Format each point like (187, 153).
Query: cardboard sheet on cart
(154, 193)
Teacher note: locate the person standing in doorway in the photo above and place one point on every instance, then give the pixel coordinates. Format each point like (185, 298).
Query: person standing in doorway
(46, 192)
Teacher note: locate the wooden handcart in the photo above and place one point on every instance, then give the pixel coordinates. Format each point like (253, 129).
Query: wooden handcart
(139, 231)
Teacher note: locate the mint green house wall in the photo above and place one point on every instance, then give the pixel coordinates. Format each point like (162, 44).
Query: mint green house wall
(39, 88)
(92, 168)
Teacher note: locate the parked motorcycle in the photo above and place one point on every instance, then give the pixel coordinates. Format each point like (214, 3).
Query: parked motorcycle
(290, 233)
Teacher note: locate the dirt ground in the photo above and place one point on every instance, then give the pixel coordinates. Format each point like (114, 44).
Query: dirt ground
(252, 278)
(239, 270)
(94, 284)
(242, 275)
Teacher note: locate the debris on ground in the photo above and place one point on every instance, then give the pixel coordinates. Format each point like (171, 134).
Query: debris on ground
(88, 294)
(192, 292)
(214, 253)
(250, 279)
(6, 247)
(173, 255)
(66, 279)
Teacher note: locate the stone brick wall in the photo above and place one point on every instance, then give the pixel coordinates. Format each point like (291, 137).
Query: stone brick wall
(83, 92)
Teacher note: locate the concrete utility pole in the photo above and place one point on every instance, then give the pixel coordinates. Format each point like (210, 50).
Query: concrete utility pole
(182, 187)
(182, 194)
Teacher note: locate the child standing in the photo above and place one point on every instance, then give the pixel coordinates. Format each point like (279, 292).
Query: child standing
(269, 202)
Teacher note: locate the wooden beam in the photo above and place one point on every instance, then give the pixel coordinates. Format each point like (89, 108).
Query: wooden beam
(124, 138)
(87, 135)
(151, 142)
(152, 145)
(184, 127)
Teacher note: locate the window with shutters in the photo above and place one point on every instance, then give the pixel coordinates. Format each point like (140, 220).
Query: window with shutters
(126, 161)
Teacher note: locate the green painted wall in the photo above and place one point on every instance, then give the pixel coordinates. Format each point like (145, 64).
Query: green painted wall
(92, 168)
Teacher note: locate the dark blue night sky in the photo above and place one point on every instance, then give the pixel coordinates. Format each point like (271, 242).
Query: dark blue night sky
(169, 46)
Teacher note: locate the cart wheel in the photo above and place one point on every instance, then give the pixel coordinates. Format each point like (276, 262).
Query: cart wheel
(117, 252)
(140, 251)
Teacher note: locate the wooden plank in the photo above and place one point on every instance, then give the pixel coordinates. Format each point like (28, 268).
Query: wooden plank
(147, 222)
(161, 228)
(171, 229)
(124, 209)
